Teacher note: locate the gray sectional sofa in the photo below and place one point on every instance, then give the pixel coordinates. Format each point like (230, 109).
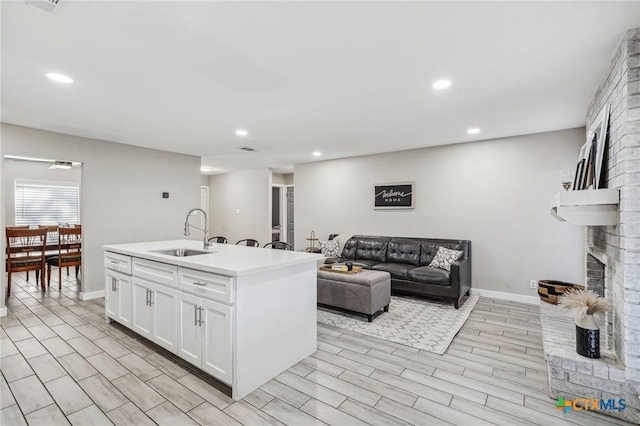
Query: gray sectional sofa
(407, 260)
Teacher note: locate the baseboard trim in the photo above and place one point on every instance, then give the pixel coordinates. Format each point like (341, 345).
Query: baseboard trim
(92, 295)
(3, 311)
(531, 300)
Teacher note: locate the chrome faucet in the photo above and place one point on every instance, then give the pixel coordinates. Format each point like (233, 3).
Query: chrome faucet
(187, 225)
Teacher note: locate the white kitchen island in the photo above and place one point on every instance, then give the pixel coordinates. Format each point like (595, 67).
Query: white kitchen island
(241, 314)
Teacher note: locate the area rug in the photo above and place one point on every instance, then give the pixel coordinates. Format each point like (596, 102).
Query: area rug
(430, 325)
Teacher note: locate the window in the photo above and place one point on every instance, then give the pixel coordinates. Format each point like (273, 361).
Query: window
(39, 203)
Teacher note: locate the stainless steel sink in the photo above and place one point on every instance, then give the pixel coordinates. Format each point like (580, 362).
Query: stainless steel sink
(181, 252)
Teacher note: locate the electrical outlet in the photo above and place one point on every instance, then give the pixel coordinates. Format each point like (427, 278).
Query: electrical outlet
(533, 284)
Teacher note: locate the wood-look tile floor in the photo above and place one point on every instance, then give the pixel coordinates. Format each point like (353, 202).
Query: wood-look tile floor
(61, 363)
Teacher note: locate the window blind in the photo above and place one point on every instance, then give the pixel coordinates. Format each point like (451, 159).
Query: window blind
(47, 203)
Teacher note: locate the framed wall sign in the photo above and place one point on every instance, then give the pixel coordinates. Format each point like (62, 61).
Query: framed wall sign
(393, 195)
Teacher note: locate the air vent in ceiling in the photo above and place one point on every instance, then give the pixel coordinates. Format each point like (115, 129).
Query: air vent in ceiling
(46, 5)
(248, 149)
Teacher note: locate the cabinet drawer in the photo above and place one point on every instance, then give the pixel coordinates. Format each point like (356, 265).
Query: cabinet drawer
(156, 272)
(117, 262)
(208, 286)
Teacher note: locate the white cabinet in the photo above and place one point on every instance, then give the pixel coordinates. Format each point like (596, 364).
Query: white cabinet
(142, 321)
(155, 272)
(205, 335)
(117, 262)
(155, 313)
(118, 297)
(242, 315)
(206, 285)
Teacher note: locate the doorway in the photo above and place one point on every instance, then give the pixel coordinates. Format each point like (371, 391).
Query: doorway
(41, 193)
(204, 205)
(282, 213)
(289, 209)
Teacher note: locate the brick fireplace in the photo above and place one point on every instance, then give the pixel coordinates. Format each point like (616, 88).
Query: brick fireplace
(612, 256)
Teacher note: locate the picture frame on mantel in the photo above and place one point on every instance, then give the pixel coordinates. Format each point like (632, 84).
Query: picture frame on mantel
(389, 196)
(598, 134)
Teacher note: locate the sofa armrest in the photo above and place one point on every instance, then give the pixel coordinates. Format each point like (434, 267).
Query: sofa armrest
(461, 276)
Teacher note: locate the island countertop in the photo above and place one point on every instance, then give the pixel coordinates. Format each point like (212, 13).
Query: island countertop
(224, 259)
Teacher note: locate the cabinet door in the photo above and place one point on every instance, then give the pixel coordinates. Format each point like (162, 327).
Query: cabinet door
(189, 329)
(165, 322)
(123, 290)
(110, 294)
(217, 340)
(142, 317)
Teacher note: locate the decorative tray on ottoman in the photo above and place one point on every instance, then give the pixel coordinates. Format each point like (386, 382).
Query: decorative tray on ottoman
(341, 268)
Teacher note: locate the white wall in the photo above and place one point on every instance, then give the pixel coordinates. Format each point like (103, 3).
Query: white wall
(249, 192)
(121, 194)
(33, 171)
(495, 193)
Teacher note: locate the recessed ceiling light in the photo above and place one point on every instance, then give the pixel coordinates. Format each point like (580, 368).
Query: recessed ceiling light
(473, 131)
(317, 153)
(59, 78)
(241, 132)
(441, 84)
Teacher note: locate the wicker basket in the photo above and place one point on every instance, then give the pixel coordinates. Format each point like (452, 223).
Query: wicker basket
(550, 290)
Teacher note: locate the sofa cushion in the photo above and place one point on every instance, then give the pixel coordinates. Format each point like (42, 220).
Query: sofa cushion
(426, 274)
(404, 251)
(329, 248)
(397, 270)
(366, 264)
(349, 249)
(427, 251)
(370, 249)
(444, 258)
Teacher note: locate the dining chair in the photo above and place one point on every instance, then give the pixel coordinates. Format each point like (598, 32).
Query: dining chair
(278, 245)
(52, 232)
(219, 240)
(20, 227)
(52, 237)
(69, 252)
(25, 252)
(249, 242)
(69, 225)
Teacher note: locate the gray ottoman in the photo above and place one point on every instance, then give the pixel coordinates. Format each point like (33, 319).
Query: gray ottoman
(365, 292)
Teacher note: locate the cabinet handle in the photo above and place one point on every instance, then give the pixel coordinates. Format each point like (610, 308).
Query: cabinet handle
(200, 283)
(200, 322)
(113, 284)
(195, 315)
(115, 262)
(150, 297)
(147, 301)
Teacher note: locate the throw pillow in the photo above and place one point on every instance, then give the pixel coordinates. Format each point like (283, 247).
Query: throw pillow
(330, 248)
(444, 258)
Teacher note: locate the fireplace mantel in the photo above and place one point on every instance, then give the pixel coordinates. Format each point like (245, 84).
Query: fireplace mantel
(589, 207)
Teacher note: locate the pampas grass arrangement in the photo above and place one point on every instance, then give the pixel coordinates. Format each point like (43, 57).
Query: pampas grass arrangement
(583, 302)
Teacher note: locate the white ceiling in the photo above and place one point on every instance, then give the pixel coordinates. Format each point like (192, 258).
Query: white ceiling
(344, 78)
